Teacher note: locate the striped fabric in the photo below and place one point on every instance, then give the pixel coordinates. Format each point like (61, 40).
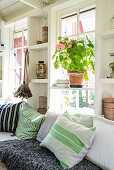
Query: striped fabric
(83, 119)
(29, 123)
(69, 141)
(9, 114)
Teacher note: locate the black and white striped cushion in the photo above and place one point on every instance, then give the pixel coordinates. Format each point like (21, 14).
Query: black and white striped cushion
(9, 114)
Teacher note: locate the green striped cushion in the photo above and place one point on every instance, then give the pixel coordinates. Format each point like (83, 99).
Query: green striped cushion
(69, 141)
(29, 123)
(83, 119)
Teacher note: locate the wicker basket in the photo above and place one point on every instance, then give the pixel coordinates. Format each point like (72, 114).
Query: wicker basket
(42, 102)
(109, 113)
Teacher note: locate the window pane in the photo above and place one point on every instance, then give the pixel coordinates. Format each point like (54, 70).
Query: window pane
(73, 38)
(25, 38)
(87, 21)
(17, 74)
(18, 57)
(74, 101)
(18, 40)
(69, 25)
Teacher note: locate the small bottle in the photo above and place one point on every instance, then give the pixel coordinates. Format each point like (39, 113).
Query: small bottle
(112, 22)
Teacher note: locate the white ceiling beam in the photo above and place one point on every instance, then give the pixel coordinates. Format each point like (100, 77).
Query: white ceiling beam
(32, 3)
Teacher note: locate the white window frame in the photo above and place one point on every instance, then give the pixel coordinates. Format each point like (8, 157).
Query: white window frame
(57, 14)
(17, 27)
(72, 9)
(22, 48)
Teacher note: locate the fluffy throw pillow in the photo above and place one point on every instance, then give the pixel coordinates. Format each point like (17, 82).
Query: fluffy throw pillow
(47, 125)
(9, 114)
(83, 119)
(29, 123)
(102, 150)
(69, 141)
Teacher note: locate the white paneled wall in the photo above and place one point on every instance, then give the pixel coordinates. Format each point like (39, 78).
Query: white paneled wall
(104, 46)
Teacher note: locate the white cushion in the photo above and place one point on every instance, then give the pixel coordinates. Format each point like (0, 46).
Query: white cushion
(102, 150)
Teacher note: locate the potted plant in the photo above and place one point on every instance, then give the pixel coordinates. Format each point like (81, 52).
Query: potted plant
(76, 56)
(111, 65)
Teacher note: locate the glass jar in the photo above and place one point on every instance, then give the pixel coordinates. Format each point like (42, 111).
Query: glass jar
(41, 70)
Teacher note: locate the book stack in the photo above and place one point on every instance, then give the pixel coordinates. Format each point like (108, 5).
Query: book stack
(61, 84)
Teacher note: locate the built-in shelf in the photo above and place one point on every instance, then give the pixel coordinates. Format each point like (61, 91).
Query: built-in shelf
(1, 81)
(39, 46)
(43, 81)
(108, 34)
(106, 80)
(69, 88)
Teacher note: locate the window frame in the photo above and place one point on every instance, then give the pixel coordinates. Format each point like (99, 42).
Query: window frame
(71, 10)
(17, 28)
(65, 11)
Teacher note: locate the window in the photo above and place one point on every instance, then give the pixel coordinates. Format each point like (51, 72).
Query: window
(76, 25)
(17, 56)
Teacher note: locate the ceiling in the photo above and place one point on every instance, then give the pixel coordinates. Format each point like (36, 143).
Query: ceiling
(10, 9)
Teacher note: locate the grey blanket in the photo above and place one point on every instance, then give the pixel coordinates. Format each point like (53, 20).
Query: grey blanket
(28, 155)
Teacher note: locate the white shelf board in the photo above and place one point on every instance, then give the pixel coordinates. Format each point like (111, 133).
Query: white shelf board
(106, 80)
(1, 81)
(108, 34)
(39, 46)
(43, 81)
(69, 88)
(1, 48)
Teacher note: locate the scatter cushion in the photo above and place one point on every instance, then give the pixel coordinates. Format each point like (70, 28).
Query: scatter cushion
(50, 119)
(83, 119)
(102, 150)
(9, 114)
(29, 123)
(69, 141)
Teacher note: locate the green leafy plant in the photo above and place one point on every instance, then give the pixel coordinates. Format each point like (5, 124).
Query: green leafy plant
(67, 99)
(111, 65)
(75, 55)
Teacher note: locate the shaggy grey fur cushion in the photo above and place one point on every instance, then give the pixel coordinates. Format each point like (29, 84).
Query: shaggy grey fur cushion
(28, 155)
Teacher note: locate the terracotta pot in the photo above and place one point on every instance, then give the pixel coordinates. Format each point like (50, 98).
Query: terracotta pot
(108, 100)
(75, 77)
(109, 113)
